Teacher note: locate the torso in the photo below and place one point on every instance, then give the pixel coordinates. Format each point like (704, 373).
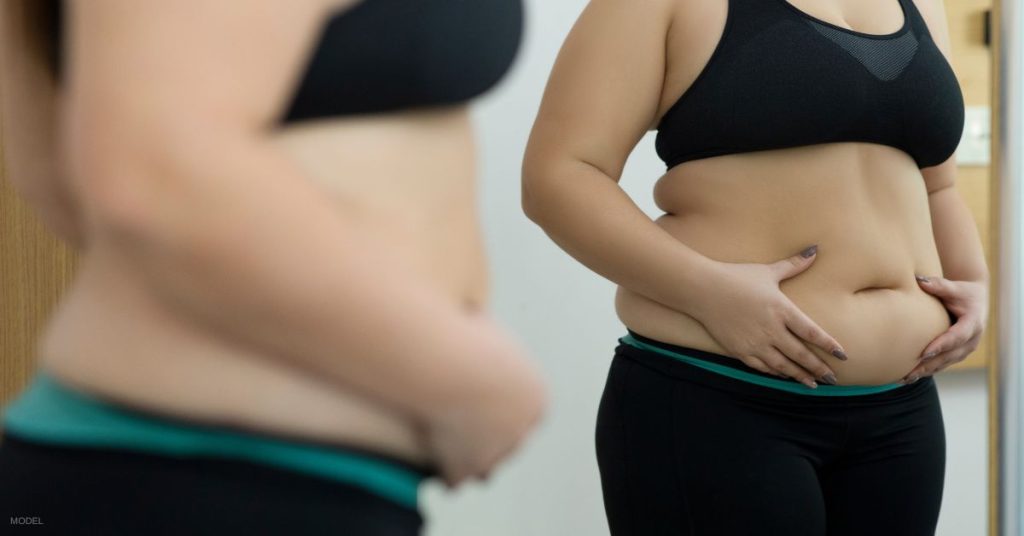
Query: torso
(110, 337)
(864, 204)
(396, 154)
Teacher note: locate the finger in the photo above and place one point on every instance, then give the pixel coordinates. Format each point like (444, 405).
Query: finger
(959, 352)
(781, 363)
(957, 335)
(939, 286)
(453, 479)
(796, 350)
(756, 363)
(794, 264)
(802, 326)
(935, 365)
(941, 361)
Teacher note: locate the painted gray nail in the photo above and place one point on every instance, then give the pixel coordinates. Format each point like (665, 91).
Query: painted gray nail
(829, 378)
(809, 251)
(839, 353)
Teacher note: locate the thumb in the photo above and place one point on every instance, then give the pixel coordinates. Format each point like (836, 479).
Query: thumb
(938, 286)
(791, 266)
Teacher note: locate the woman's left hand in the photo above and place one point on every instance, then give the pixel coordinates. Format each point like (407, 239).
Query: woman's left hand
(968, 301)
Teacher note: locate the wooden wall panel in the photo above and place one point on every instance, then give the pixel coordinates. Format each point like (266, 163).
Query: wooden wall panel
(35, 269)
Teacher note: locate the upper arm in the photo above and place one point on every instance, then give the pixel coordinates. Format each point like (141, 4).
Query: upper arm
(943, 175)
(165, 81)
(605, 88)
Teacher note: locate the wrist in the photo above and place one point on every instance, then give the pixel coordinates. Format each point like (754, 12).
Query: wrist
(698, 286)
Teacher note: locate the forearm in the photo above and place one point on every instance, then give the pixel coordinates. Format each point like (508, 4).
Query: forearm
(956, 237)
(54, 208)
(238, 241)
(589, 216)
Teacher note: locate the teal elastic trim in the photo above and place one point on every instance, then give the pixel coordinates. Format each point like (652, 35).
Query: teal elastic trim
(48, 411)
(823, 389)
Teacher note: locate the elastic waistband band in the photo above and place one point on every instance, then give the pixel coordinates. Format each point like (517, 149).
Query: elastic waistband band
(727, 366)
(49, 411)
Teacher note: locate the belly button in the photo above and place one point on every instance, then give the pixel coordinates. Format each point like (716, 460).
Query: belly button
(866, 289)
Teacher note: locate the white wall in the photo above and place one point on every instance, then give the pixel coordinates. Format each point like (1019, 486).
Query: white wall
(564, 314)
(964, 399)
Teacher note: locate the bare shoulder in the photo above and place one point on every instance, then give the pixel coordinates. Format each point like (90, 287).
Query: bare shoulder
(605, 86)
(934, 14)
(653, 12)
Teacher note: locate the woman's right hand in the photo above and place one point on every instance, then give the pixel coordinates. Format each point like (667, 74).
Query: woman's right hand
(747, 313)
(469, 439)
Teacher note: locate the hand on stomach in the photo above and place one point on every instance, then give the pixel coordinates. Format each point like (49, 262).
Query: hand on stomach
(866, 209)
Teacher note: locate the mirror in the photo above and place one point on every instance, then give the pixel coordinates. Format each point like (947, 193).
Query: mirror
(567, 316)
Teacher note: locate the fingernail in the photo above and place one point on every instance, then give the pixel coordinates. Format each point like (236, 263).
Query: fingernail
(929, 355)
(921, 278)
(811, 383)
(912, 378)
(829, 378)
(839, 353)
(809, 251)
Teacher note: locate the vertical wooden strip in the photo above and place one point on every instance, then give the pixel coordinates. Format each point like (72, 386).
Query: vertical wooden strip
(35, 270)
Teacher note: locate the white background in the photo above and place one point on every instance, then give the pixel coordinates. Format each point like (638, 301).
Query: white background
(564, 314)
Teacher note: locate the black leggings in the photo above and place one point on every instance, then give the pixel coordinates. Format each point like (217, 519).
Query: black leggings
(687, 451)
(76, 490)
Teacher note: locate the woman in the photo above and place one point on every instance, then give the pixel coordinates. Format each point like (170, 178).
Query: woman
(279, 319)
(791, 131)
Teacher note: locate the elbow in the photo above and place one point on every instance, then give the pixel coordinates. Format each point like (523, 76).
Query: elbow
(116, 203)
(135, 184)
(533, 180)
(532, 203)
(529, 204)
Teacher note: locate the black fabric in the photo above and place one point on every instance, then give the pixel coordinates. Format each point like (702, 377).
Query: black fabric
(712, 357)
(780, 78)
(391, 54)
(387, 55)
(683, 451)
(79, 490)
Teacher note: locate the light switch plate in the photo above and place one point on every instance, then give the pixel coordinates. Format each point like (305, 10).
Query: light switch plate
(975, 142)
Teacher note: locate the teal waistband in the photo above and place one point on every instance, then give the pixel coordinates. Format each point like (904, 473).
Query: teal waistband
(52, 412)
(823, 389)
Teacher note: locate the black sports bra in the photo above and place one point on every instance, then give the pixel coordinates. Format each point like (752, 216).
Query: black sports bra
(386, 55)
(780, 77)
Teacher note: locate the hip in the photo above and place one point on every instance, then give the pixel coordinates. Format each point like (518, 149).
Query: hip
(882, 331)
(53, 420)
(647, 376)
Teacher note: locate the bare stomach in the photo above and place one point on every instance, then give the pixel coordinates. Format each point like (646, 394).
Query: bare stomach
(867, 209)
(409, 178)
